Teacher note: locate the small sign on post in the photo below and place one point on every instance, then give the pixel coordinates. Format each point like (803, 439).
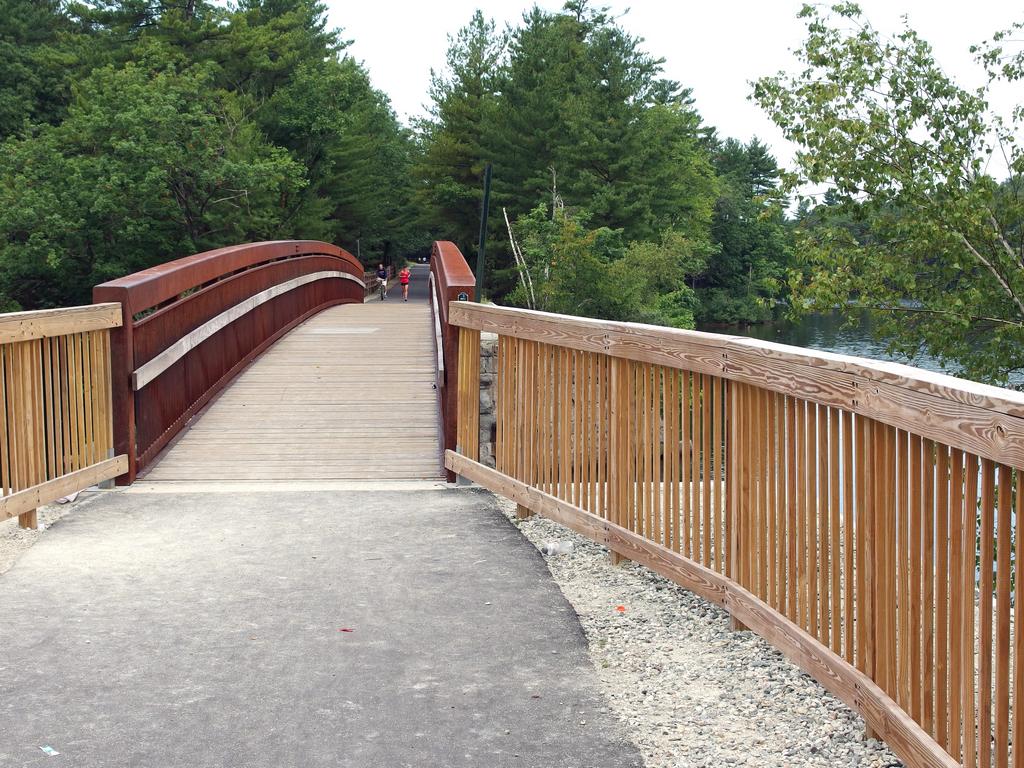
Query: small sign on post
(463, 296)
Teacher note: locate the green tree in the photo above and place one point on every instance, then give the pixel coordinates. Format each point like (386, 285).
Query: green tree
(37, 53)
(584, 116)
(357, 159)
(748, 269)
(147, 166)
(452, 157)
(570, 269)
(572, 113)
(940, 262)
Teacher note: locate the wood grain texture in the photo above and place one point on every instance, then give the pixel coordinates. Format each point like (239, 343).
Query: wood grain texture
(47, 323)
(364, 405)
(51, 490)
(907, 739)
(988, 421)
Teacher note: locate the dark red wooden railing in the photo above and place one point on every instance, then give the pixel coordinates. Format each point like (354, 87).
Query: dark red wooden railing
(454, 281)
(171, 356)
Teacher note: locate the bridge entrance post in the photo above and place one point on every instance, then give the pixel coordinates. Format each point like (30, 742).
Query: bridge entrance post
(122, 363)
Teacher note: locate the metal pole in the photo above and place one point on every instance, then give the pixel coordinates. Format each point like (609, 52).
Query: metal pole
(483, 235)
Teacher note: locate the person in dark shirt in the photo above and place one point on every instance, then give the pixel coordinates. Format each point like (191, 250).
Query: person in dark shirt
(382, 279)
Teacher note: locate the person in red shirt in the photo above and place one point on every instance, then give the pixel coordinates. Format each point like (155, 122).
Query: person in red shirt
(403, 278)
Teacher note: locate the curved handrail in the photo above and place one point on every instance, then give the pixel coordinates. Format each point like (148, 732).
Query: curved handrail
(859, 515)
(192, 324)
(453, 281)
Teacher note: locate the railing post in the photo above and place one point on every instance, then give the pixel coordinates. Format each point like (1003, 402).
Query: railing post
(122, 363)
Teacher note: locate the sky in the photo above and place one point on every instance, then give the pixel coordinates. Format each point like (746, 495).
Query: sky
(714, 47)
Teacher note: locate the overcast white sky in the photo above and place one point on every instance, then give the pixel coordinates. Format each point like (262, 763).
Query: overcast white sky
(714, 46)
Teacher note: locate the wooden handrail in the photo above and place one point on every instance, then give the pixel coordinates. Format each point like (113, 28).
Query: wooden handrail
(859, 515)
(191, 325)
(56, 432)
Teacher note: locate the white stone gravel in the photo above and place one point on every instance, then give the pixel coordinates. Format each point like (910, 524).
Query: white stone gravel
(692, 692)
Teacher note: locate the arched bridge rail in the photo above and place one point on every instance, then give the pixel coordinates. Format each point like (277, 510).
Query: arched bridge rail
(189, 326)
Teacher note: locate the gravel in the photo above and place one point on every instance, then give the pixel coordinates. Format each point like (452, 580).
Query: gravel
(15, 540)
(691, 692)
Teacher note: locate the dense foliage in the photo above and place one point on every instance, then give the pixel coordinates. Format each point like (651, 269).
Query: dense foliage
(624, 205)
(137, 131)
(916, 227)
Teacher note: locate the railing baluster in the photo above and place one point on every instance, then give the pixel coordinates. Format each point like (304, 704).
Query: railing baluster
(862, 531)
(985, 587)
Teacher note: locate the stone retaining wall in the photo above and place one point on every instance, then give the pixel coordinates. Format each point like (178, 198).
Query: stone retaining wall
(488, 394)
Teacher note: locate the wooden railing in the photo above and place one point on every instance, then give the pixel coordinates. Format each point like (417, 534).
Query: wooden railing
(191, 325)
(861, 516)
(55, 410)
(451, 280)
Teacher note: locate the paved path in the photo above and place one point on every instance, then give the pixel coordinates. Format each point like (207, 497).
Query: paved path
(170, 629)
(348, 394)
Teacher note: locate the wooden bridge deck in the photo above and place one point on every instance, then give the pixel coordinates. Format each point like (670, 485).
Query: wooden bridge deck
(347, 395)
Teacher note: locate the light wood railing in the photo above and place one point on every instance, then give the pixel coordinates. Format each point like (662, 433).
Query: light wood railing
(56, 433)
(862, 516)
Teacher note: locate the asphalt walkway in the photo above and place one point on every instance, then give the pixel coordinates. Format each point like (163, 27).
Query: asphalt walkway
(368, 627)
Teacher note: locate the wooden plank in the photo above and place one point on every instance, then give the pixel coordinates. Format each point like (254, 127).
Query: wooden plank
(52, 443)
(958, 604)
(88, 401)
(779, 461)
(764, 496)
(792, 507)
(969, 641)
(849, 524)
(31, 498)
(866, 510)
(979, 418)
(656, 457)
(835, 526)
(907, 739)
(880, 537)
(916, 709)
(705, 469)
(985, 592)
(686, 451)
(1002, 620)
(771, 521)
(369, 395)
(903, 570)
(808, 537)
(47, 323)
(824, 532)
(718, 476)
(860, 519)
(942, 582)
(734, 501)
(6, 416)
(928, 591)
(1018, 628)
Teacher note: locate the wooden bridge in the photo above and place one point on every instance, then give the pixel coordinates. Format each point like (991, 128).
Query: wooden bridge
(863, 517)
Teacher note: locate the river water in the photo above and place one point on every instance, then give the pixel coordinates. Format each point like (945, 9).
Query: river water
(831, 333)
